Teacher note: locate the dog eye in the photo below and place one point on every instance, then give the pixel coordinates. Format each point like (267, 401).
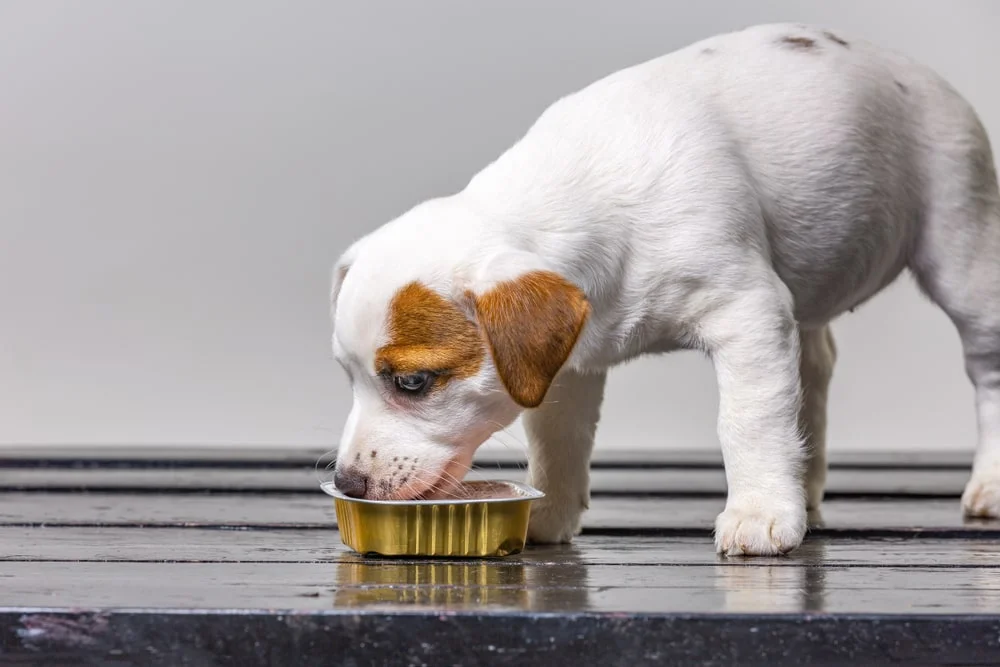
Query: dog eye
(414, 383)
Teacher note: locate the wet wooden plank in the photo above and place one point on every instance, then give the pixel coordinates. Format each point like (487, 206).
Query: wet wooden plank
(513, 586)
(610, 515)
(149, 578)
(945, 483)
(475, 638)
(865, 517)
(299, 457)
(523, 640)
(188, 545)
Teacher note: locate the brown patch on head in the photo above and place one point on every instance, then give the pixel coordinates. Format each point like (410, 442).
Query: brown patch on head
(837, 40)
(429, 333)
(801, 43)
(531, 324)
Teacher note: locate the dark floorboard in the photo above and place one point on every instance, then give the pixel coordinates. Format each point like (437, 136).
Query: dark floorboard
(188, 545)
(673, 482)
(516, 586)
(607, 515)
(274, 457)
(134, 557)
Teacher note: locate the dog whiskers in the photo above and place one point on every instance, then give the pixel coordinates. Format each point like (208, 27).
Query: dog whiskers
(522, 447)
(331, 464)
(447, 477)
(499, 391)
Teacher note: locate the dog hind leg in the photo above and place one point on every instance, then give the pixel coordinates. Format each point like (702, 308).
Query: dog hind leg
(818, 355)
(956, 261)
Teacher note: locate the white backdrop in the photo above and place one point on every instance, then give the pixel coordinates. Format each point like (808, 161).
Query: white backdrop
(176, 179)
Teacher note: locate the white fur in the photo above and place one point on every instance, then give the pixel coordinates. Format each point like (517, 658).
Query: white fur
(734, 196)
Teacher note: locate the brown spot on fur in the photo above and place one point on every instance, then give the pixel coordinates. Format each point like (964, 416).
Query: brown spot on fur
(531, 324)
(357, 456)
(837, 40)
(373, 453)
(801, 43)
(429, 333)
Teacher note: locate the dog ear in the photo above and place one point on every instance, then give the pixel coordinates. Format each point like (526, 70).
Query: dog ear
(340, 270)
(531, 324)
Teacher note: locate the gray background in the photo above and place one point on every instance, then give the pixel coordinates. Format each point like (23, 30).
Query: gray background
(176, 179)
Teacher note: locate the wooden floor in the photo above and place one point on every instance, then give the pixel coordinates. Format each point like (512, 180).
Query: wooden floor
(199, 558)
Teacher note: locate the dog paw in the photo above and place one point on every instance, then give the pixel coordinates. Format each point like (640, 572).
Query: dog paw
(982, 497)
(553, 523)
(755, 528)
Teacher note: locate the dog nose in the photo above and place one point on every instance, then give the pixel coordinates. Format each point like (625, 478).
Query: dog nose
(350, 482)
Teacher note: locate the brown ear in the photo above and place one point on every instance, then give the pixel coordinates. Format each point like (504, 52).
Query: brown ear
(531, 324)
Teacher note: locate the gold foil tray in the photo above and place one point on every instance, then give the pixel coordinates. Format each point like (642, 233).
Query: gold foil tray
(490, 520)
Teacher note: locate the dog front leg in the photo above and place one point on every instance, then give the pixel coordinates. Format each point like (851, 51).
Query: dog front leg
(754, 343)
(560, 440)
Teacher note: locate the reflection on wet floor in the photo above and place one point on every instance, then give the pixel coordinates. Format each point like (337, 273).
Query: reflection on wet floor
(683, 575)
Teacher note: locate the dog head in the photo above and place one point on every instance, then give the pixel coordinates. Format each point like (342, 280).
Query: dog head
(445, 336)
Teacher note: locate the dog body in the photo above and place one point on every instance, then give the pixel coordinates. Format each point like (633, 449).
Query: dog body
(734, 197)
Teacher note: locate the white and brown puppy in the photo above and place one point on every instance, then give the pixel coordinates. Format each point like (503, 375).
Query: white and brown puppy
(734, 197)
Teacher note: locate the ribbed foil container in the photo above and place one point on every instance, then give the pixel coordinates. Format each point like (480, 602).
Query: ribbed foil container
(481, 526)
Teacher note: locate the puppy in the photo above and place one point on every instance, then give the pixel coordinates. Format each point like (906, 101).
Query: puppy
(733, 197)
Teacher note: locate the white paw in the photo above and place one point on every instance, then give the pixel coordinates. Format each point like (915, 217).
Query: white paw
(553, 522)
(751, 527)
(982, 497)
